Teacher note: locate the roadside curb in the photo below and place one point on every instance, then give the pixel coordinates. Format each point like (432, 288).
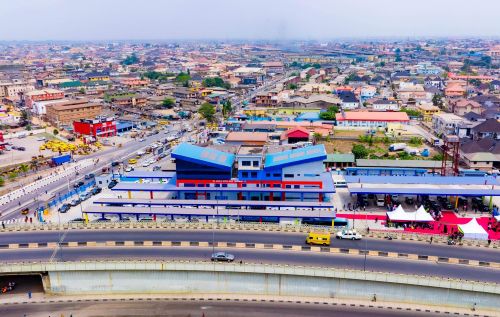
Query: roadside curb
(255, 246)
(235, 227)
(214, 298)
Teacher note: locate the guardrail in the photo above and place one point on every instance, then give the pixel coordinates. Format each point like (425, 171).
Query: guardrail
(243, 226)
(255, 246)
(134, 265)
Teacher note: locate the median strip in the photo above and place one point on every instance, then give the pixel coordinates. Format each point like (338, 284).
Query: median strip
(256, 246)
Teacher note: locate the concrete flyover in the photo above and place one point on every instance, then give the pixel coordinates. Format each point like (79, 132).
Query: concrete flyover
(201, 277)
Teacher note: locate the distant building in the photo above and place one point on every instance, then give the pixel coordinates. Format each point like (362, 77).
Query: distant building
(462, 106)
(446, 123)
(385, 105)
(370, 119)
(42, 95)
(65, 113)
(427, 111)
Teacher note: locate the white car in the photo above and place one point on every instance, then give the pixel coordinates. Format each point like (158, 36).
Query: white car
(129, 169)
(146, 164)
(141, 140)
(41, 139)
(349, 235)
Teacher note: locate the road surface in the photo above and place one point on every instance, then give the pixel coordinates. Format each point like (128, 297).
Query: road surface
(421, 248)
(295, 258)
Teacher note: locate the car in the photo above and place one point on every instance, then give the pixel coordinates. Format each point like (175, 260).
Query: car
(146, 164)
(132, 161)
(85, 196)
(21, 148)
(394, 199)
(141, 140)
(156, 168)
(96, 190)
(89, 176)
(25, 211)
(64, 208)
(409, 200)
(348, 235)
(112, 183)
(222, 257)
(115, 163)
(79, 184)
(101, 220)
(75, 202)
(41, 139)
(78, 220)
(129, 169)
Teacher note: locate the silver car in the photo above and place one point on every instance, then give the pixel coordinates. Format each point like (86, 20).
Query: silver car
(222, 257)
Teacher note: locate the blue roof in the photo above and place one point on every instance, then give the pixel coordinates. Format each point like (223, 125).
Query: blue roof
(431, 180)
(306, 116)
(124, 125)
(297, 156)
(204, 156)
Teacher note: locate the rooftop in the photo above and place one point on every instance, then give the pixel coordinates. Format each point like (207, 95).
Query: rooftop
(202, 155)
(291, 157)
(372, 116)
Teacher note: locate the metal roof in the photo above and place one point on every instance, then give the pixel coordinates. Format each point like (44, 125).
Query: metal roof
(149, 174)
(203, 202)
(425, 180)
(296, 156)
(203, 156)
(426, 191)
(399, 163)
(221, 212)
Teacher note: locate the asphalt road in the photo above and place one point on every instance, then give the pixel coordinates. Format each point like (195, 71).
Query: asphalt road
(171, 308)
(480, 254)
(377, 264)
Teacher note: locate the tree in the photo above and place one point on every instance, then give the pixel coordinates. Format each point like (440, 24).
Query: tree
(317, 136)
(215, 82)
(182, 77)
(129, 60)
(227, 108)
(207, 111)
(412, 112)
(55, 132)
(292, 86)
(23, 168)
(2, 181)
(12, 175)
(437, 100)
(359, 151)
(330, 113)
(168, 103)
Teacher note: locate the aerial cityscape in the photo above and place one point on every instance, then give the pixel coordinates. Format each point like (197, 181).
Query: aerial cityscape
(279, 158)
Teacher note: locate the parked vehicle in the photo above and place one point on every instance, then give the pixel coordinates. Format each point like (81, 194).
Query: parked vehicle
(79, 184)
(397, 147)
(380, 201)
(222, 257)
(64, 208)
(95, 190)
(75, 202)
(112, 183)
(25, 211)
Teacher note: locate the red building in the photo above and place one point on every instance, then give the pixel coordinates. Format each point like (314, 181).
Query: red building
(97, 128)
(42, 95)
(295, 135)
(2, 145)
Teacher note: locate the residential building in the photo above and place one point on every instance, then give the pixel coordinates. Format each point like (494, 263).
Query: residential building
(481, 154)
(446, 123)
(426, 68)
(427, 111)
(14, 90)
(65, 113)
(349, 100)
(462, 106)
(370, 119)
(246, 138)
(42, 95)
(385, 105)
(486, 129)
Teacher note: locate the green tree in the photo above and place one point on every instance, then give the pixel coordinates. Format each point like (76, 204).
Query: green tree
(55, 132)
(182, 77)
(215, 82)
(23, 168)
(437, 100)
(329, 114)
(2, 181)
(131, 59)
(13, 175)
(168, 103)
(207, 111)
(416, 141)
(412, 112)
(227, 108)
(317, 136)
(292, 86)
(359, 151)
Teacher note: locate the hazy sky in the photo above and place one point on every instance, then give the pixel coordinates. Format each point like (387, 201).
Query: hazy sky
(245, 19)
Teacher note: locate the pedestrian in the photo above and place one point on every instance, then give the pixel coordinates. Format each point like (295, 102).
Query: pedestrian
(31, 220)
(431, 241)
(29, 294)
(489, 242)
(3, 225)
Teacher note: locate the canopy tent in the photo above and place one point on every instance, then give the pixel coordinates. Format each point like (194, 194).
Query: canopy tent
(399, 215)
(473, 230)
(422, 215)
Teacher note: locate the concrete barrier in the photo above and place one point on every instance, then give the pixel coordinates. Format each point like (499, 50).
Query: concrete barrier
(202, 277)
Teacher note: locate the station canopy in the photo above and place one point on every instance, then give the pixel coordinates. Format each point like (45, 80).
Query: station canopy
(473, 230)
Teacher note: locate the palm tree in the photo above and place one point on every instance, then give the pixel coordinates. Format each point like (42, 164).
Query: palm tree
(23, 168)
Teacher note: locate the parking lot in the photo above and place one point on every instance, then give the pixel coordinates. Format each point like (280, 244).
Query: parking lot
(31, 148)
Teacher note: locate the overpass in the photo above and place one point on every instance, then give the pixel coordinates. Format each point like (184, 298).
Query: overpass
(200, 277)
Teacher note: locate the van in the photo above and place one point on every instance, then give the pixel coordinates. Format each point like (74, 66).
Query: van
(380, 200)
(339, 183)
(132, 161)
(319, 238)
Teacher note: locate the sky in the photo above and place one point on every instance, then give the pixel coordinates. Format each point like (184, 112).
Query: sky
(246, 19)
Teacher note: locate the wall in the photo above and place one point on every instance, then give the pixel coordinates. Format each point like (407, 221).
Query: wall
(207, 278)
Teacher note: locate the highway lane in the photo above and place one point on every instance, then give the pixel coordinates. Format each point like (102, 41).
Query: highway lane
(296, 258)
(480, 254)
(165, 307)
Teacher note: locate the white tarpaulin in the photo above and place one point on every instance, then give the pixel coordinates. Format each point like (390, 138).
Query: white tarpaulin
(473, 230)
(400, 215)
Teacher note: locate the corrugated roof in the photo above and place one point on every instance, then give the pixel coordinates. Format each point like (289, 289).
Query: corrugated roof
(340, 157)
(246, 136)
(203, 155)
(291, 157)
(399, 163)
(372, 116)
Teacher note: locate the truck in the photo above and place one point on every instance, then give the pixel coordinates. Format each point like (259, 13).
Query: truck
(412, 151)
(58, 160)
(397, 147)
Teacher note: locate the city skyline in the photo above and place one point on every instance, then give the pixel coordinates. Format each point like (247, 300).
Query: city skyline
(60, 20)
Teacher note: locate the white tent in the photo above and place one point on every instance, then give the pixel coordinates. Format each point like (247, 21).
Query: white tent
(422, 215)
(398, 214)
(473, 230)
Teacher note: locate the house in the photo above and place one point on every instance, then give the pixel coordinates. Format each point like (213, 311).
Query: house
(273, 67)
(385, 105)
(295, 135)
(426, 68)
(184, 93)
(487, 129)
(474, 117)
(247, 138)
(446, 123)
(349, 100)
(454, 89)
(316, 101)
(427, 111)
(434, 82)
(97, 76)
(65, 113)
(462, 106)
(42, 95)
(495, 85)
(481, 155)
(370, 119)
